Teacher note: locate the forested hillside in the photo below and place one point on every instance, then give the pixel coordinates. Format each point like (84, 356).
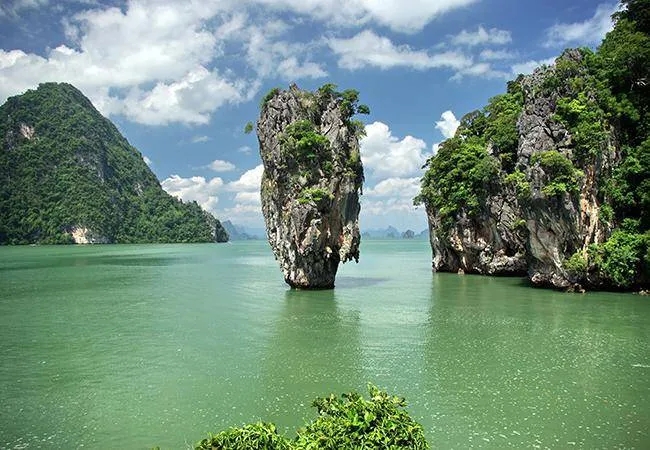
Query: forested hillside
(67, 175)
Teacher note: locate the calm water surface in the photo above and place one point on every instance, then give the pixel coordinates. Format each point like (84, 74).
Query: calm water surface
(133, 346)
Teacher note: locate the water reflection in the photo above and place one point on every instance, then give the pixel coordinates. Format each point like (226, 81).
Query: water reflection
(315, 350)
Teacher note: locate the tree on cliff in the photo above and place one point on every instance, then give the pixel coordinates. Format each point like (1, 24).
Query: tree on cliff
(497, 174)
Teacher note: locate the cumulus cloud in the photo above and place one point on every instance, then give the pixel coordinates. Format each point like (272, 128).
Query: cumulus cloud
(395, 187)
(496, 55)
(590, 31)
(481, 36)
(198, 189)
(482, 70)
(246, 201)
(219, 165)
(408, 16)
(528, 67)
(147, 160)
(252, 198)
(367, 49)
(250, 180)
(447, 125)
(150, 62)
(381, 208)
(271, 55)
(386, 155)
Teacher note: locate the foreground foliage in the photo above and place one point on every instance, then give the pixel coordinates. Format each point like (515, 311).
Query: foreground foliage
(348, 422)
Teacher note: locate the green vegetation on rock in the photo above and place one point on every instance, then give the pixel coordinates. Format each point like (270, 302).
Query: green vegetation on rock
(602, 100)
(348, 422)
(268, 96)
(63, 166)
(562, 175)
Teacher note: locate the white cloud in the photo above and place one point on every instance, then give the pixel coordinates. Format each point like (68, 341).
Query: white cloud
(250, 180)
(368, 49)
(447, 125)
(389, 207)
(219, 165)
(483, 70)
(252, 198)
(407, 16)
(199, 139)
(270, 56)
(152, 62)
(410, 15)
(496, 55)
(387, 156)
(12, 8)
(246, 208)
(395, 187)
(529, 66)
(243, 214)
(291, 69)
(147, 160)
(198, 189)
(590, 31)
(245, 149)
(481, 36)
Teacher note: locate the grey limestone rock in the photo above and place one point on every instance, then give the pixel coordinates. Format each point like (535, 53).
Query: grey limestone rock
(535, 236)
(310, 185)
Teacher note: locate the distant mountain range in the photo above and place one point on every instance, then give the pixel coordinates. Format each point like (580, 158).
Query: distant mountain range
(393, 233)
(242, 233)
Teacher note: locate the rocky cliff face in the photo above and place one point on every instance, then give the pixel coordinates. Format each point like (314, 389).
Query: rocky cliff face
(542, 202)
(311, 183)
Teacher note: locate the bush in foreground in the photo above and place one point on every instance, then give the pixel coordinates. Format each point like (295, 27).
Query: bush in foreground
(342, 423)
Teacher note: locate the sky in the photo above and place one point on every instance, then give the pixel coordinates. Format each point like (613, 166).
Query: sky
(181, 78)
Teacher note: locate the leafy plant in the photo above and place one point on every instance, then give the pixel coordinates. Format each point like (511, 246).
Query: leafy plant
(520, 182)
(577, 265)
(621, 258)
(256, 436)
(348, 422)
(563, 176)
(354, 422)
(313, 194)
(269, 95)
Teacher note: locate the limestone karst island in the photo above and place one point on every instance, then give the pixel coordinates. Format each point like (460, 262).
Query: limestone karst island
(312, 180)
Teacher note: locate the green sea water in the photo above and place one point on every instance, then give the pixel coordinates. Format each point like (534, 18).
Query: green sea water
(127, 347)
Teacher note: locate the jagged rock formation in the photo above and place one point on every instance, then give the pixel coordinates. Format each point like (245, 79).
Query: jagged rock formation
(311, 183)
(525, 186)
(68, 176)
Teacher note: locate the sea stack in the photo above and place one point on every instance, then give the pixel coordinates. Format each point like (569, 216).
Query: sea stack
(312, 180)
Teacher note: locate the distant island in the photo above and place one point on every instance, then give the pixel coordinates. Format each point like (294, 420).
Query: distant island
(552, 178)
(68, 176)
(241, 233)
(391, 232)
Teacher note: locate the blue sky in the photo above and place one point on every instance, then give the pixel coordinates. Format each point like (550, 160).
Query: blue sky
(182, 78)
